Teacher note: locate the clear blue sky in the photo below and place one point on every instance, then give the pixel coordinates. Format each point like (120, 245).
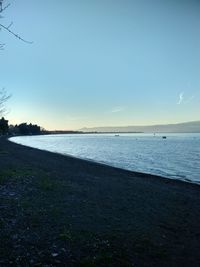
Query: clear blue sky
(102, 62)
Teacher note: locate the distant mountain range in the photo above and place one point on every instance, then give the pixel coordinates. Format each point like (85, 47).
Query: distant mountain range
(186, 127)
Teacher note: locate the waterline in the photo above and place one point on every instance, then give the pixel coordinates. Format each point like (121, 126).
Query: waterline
(176, 157)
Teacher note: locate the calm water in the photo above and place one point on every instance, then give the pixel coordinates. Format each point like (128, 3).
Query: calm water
(177, 157)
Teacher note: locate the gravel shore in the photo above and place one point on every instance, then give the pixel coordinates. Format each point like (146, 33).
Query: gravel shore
(62, 211)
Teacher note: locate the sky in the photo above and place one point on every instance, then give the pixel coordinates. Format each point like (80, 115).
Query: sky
(102, 62)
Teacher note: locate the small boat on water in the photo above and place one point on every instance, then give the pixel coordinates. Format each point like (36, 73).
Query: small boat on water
(116, 135)
(164, 137)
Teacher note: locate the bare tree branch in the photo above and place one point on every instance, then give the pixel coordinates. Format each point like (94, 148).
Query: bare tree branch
(4, 97)
(2, 9)
(16, 35)
(7, 28)
(2, 46)
(10, 25)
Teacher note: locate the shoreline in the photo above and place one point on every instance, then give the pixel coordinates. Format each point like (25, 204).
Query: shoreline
(184, 180)
(58, 210)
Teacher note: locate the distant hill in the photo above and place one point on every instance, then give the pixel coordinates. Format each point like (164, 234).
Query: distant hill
(186, 127)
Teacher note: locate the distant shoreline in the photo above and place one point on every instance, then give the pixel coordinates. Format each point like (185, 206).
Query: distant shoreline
(78, 132)
(188, 127)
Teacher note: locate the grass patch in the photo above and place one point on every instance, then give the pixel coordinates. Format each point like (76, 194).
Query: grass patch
(154, 250)
(65, 235)
(1, 223)
(14, 175)
(106, 257)
(48, 183)
(2, 179)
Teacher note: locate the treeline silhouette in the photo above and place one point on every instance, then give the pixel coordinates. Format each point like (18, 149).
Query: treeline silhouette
(21, 129)
(25, 129)
(4, 128)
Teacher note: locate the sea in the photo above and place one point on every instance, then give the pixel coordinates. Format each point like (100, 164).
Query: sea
(176, 157)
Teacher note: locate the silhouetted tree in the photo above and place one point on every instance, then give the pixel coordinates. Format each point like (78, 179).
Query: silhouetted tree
(27, 129)
(13, 129)
(3, 126)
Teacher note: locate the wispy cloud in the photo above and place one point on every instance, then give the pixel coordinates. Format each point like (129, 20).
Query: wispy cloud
(117, 109)
(181, 97)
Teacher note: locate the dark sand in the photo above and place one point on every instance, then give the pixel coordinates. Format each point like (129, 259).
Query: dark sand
(61, 211)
